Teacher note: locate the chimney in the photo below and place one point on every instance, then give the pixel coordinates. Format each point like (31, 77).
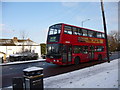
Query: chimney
(15, 39)
(28, 39)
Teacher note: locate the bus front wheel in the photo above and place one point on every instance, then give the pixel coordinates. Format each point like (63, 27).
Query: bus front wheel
(77, 61)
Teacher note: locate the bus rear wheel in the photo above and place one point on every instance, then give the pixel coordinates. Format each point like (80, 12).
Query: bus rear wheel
(77, 61)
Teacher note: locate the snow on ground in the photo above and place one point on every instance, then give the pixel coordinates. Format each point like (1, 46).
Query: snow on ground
(103, 75)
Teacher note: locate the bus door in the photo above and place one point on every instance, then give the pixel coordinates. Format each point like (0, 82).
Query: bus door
(91, 52)
(67, 53)
(85, 55)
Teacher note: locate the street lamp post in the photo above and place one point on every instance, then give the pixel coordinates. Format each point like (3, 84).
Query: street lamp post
(84, 21)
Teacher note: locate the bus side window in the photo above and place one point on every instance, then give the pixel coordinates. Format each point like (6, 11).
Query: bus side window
(92, 48)
(77, 49)
(94, 34)
(67, 30)
(90, 33)
(85, 49)
(84, 32)
(98, 35)
(99, 48)
(102, 48)
(80, 31)
(95, 48)
(103, 35)
(75, 30)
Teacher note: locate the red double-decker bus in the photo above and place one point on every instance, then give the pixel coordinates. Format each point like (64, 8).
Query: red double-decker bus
(68, 44)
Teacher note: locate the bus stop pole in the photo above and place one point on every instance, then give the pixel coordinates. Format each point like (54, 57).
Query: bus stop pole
(105, 30)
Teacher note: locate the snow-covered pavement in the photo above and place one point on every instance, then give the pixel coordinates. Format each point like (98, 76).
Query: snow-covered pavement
(103, 75)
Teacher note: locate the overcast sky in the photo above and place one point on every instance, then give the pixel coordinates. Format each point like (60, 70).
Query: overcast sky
(34, 18)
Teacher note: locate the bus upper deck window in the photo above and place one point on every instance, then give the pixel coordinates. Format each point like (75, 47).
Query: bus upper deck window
(94, 34)
(75, 31)
(84, 32)
(103, 35)
(98, 35)
(79, 31)
(90, 33)
(67, 30)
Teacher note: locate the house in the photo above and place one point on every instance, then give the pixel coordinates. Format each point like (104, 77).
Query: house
(15, 45)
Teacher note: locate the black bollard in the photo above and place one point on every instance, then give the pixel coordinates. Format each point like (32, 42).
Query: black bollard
(17, 83)
(2, 60)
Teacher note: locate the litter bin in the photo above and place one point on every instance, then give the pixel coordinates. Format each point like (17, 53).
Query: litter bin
(33, 78)
(17, 83)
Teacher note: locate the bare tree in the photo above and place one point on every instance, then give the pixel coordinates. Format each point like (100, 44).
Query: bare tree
(113, 41)
(23, 35)
(29, 43)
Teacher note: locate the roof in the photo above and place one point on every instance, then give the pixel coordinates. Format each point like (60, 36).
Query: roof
(7, 42)
(16, 42)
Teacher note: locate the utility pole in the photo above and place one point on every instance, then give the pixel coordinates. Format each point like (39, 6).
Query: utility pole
(105, 30)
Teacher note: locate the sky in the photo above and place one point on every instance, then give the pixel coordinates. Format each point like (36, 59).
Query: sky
(34, 18)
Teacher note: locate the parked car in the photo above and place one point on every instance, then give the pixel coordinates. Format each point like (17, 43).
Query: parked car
(23, 57)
